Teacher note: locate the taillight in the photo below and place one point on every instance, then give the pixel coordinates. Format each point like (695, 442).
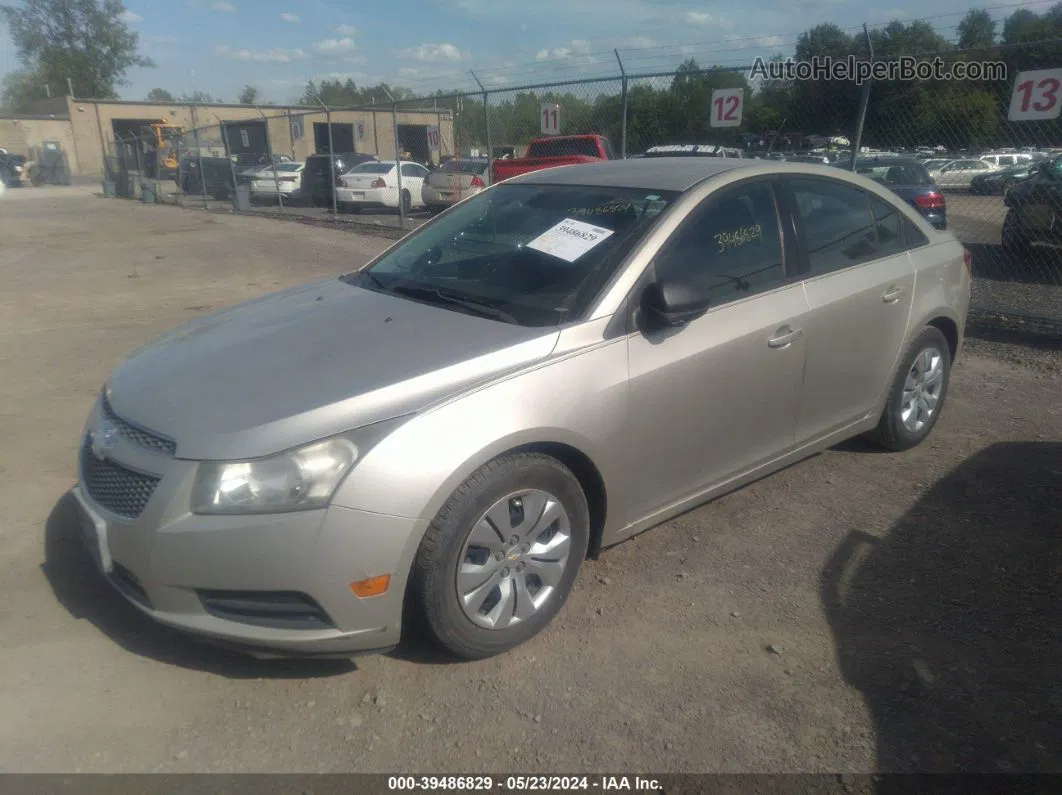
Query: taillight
(967, 259)
(478, 183)
(378, 183)
(930, 201)
(339, 180)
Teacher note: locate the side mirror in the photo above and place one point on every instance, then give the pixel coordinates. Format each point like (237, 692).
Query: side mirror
(672, 303)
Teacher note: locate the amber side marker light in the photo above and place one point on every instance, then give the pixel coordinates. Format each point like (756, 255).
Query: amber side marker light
(373, 586)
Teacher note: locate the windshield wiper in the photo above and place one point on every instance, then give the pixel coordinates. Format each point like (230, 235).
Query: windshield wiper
(436, 294)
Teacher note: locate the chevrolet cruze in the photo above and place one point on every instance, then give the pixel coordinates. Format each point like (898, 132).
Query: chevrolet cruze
(547, 368)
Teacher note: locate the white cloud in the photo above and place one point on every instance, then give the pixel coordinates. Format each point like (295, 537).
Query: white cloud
(345, 30)
(698, 19)
(433, 53)
(292, 18)
(497, 80)
(129, 16)
(576, 47)
(333, 47)
(275, 55)
(223, 6)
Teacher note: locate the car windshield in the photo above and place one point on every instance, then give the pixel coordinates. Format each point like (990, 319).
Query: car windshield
(464, 167)
(372, 168)
(532, 255)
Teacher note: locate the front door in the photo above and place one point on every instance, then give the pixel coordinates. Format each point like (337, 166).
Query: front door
(860, 287)
(715, 397)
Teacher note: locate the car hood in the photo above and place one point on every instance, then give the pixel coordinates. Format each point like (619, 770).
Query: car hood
(307, 363)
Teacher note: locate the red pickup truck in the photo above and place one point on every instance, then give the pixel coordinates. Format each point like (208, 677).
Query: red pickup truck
(567, 150)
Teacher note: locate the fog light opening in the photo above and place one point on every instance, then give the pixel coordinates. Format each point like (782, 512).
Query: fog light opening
(373, 586)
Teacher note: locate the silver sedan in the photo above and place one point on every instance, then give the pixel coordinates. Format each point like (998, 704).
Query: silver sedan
(547, 368)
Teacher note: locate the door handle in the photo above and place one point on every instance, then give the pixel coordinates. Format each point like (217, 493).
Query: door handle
(784, 338)
(892, 295)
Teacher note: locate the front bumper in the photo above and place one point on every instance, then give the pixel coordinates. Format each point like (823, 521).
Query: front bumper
(275, 585)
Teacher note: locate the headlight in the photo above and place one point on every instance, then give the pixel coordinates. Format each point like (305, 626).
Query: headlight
(298, 479)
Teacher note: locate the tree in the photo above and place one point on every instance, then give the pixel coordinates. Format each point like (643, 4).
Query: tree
(977, 31)
(84, 40)
(249, 96)
(198, 98)
(160, 95)
(20, 89)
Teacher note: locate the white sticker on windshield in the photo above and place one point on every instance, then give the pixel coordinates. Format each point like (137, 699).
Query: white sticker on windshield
(569, 239)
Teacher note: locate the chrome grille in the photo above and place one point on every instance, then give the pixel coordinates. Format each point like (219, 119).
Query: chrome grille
(138, 436)
(121, 491)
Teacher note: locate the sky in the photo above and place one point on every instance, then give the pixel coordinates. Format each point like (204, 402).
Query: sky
(218, 46)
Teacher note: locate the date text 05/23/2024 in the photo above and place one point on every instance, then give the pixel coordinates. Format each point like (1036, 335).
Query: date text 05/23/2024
(520, 783)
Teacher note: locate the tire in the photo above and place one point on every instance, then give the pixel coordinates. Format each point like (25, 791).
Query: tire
(1013, 239)
(893, 433)
(453, 540)
(407, 202)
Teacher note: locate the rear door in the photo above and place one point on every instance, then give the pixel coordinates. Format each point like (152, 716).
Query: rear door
(413, 176)
(859, 285)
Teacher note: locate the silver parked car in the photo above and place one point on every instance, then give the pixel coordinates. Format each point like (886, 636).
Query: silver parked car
(547, 368)
(455, 180)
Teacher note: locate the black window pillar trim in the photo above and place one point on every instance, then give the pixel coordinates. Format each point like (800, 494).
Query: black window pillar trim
(794, 239)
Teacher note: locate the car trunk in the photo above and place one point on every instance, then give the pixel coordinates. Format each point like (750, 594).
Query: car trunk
(363, 181)
(453, 182)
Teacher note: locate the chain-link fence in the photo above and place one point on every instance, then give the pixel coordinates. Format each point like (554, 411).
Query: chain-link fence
(984, 163)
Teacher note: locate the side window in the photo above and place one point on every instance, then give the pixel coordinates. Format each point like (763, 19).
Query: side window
(887, 227)
(837, 224)
(730, 246)
(411, 170)
(912, 235)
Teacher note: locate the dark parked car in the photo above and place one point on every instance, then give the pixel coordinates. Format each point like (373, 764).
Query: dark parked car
(1034, 209)
(910, 181)
(319, 177)
(995, 183)
(12, 169)
(215, 172)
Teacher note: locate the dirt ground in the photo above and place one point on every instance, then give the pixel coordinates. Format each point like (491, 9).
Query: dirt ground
(856, 612)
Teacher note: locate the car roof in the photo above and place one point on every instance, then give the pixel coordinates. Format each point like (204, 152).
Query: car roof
(657, 173)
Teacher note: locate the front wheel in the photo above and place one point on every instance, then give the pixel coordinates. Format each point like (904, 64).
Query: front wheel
(917, 395)
(500, 558)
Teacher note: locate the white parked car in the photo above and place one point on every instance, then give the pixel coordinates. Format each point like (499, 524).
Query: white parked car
(376, 185)
(960, 173)
(283, 182)
(1008, 159)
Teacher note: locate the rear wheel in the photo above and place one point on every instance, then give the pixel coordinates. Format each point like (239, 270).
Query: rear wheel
(917, 394)
(1014, 238)
(407, 201)
(500, 558)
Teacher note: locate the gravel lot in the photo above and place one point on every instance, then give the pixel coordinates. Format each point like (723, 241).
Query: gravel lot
(856, 612)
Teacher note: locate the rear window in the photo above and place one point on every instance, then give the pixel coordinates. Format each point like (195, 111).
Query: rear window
(372, 168)
(464, 167)
(564, 147)
(894, 174)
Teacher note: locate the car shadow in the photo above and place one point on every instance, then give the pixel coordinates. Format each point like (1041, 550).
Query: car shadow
(994, 263)
(87, 596)
(951, 625)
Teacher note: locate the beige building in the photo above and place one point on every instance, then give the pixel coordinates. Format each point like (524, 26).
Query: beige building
(87, 130)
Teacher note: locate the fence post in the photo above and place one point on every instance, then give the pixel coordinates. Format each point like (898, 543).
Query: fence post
(864, 100)
(398, 160)
(331, 159)
(272, 161)
(486, 122)
(137, 143)
(199, 156)
(228, 156)
(623, 129)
